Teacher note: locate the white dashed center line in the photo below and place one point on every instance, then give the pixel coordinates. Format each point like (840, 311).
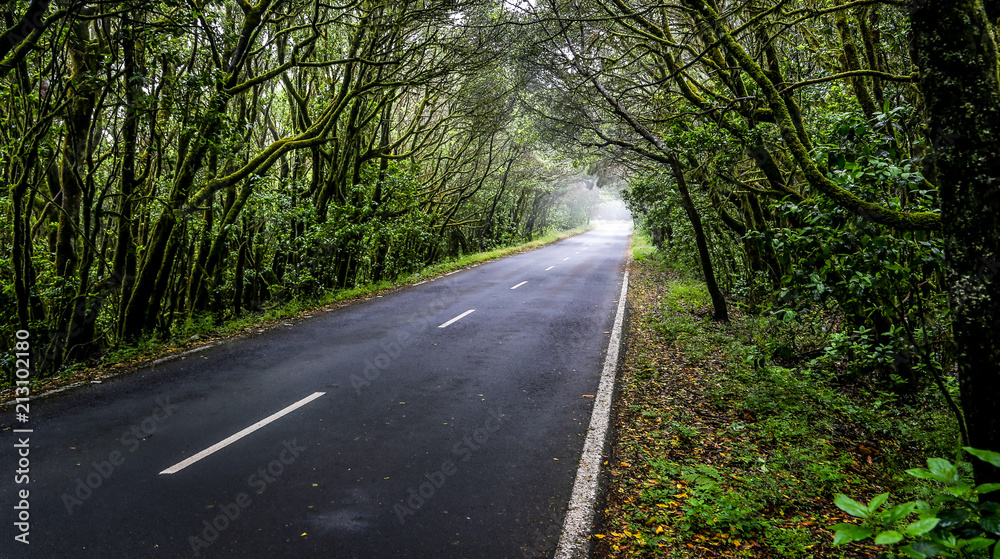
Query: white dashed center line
(549, 268)
(457, 318)
(565, 259)
(519, 285)
(237, 436)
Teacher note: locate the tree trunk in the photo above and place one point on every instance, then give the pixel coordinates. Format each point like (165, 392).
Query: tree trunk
(853, 64)
(241, 261)
(954, 47)
(21, 249)
(140, 301)
(72, 170)
(159, 290)
(199, 283)
(720, 312)
(124, 258)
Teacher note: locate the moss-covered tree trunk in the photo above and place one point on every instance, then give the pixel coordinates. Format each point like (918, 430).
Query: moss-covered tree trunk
(125, 253)
(954, 47)
(67, 332)
(720, 312)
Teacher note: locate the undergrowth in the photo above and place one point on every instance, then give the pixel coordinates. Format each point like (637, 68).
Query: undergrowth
(722, 451)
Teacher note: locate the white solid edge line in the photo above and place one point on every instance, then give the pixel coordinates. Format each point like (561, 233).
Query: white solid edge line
(573, 543)
(457, 318)
(237, 436)
(519, 285)
(549, 268)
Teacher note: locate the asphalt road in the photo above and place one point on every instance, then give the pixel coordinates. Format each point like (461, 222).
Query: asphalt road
(369, 431)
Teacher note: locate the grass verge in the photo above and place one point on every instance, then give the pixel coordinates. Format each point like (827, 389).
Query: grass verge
(719, 452)
(196, 333)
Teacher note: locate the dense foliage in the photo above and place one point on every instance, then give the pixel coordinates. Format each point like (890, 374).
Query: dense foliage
(170, 162)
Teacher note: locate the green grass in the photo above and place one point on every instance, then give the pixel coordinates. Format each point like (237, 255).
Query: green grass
(643, 250)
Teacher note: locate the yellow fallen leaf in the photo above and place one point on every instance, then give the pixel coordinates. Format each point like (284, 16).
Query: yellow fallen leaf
(598, 536)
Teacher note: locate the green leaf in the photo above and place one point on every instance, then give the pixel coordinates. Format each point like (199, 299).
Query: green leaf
(921, 527)
(846, 533)
(976, 544)
(912, 553)
(928, 549)
(923, 508)
(922, 473)
(958, 490)
(991, 524)
(888, 538)
(877, 502)
(850, 506)
(952, 517)
(984, 455)
(897, 513)
(987, 488)
(943, 470)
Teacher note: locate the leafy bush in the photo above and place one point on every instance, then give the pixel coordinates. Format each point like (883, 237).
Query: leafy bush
(885, 283)
(954, 523)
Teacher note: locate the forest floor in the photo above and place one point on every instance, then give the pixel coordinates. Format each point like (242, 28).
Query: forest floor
(200, 334)
(718, 452)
